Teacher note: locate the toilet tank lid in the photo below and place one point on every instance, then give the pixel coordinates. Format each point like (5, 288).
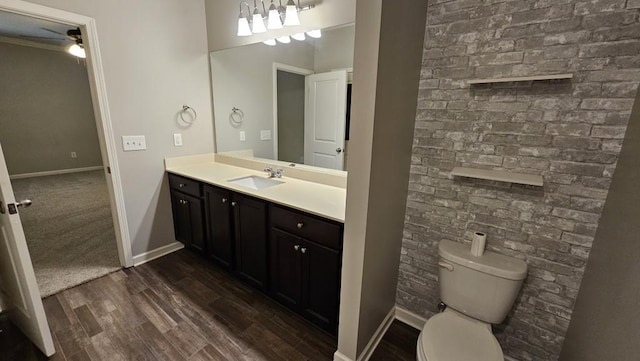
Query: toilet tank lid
(490, 262)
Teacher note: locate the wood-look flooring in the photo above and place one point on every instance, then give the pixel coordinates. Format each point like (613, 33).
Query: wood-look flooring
(180, 307)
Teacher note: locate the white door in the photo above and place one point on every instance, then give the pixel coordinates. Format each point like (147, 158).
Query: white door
(324, 119)
(16, 271)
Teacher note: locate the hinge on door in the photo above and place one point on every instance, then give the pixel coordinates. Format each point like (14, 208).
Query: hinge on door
(109, 170)
(2, 210)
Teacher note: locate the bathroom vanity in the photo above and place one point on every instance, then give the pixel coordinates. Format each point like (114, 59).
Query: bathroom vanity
(284, 239)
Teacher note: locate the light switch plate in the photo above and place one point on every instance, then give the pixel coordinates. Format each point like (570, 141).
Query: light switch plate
(133, 142)
(243, 136)
(177, 140)
(265, 135)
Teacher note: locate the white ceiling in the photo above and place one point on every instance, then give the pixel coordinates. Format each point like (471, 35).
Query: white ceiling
(33, 29)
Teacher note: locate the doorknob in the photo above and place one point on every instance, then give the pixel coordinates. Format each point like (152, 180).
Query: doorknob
(338, 150)
(24, 203)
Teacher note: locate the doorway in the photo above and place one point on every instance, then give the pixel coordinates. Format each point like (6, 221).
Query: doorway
(51, 147)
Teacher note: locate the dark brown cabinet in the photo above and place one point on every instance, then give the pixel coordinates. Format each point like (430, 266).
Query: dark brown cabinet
(293, 256)
(305, 258)
(250, 221)
(219, 240)
(187, 213)
(237, 234)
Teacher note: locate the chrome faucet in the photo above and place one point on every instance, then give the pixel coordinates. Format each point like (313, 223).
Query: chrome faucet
(274, 173)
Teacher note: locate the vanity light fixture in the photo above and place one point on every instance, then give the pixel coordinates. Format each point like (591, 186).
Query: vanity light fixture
(243, 22)
(316, 34)
(299, 36)
(270, 42)
(277, 17)
(257, 21)
(291, 17)
(284, 39)
(274, 22)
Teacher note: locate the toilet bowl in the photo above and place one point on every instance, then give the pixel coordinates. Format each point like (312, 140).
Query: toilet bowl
(478, 291)
(451, 336)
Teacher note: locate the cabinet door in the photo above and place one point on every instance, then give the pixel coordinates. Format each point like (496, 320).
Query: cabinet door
(219, 240)
(250, 218)
(320, 285)
(188, 220)
(286, 268)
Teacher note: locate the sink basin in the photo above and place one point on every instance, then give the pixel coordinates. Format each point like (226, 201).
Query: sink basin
(255, 182)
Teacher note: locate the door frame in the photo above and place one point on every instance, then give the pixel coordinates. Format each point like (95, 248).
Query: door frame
(104, 125)
(288, 69)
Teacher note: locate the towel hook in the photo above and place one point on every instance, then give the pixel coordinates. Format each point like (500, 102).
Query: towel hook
(185, 109)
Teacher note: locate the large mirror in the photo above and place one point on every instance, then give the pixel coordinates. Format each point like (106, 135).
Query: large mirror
(288, 102)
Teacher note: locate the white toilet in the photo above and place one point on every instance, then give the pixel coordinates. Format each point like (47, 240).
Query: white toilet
(478, 292)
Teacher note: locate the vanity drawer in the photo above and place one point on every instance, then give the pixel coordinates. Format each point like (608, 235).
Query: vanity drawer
(185, 185)
(309, 227)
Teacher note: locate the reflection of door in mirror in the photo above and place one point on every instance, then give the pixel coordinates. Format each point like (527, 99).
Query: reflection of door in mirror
(311, 117)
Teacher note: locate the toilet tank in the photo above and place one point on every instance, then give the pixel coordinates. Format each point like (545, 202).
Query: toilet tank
(483, 287)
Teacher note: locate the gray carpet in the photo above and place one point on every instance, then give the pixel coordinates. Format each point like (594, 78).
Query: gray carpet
(68, 228)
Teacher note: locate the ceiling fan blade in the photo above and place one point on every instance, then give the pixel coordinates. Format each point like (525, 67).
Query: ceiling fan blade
(53, 31)
(41, 37)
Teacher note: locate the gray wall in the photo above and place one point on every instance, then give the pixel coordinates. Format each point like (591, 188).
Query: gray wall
(291, 117)
(334, 50)
(155, 59)
(606, 320)
(383, 114)
(243, 78)
(570, 132)
(47, 111)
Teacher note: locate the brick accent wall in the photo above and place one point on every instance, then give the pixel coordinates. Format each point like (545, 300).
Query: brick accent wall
(568, 131)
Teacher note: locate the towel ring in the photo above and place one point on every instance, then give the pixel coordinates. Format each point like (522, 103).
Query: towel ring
(185, 109)
(236, 117)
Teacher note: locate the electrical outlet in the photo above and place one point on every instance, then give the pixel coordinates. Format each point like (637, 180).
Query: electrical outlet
(177, 140)
(74, 155)
(265, 135)
(243, 136)
(133, 142)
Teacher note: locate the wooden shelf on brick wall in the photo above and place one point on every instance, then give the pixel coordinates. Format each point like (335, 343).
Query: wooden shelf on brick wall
(521, 78)
(498, 175)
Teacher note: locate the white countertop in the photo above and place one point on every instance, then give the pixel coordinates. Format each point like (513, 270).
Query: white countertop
(315, 198)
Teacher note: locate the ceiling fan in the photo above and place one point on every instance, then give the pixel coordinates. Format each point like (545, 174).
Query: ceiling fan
(73, 35)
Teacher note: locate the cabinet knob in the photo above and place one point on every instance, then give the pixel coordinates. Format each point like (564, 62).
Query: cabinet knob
(296, 247)
(303, 250)
(233, 204)
(224, 200)
(182, 185)
(300, 225)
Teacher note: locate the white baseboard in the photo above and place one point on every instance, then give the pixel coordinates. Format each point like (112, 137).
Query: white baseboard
(156, 253)
(337, 356)
(410, 318)
(377, 336)
(54, 172)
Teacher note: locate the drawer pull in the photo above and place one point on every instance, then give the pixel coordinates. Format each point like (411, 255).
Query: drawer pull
(300, 225)
(296, 247)
(303, 250)
(233, 204)
(224, 200)
(182, 185)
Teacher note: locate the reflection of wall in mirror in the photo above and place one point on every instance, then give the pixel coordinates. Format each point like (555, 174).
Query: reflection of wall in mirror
(243, 77)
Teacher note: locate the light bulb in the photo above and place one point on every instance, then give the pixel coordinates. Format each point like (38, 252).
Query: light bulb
(274, 18)
(270, 42)
(317, 34)
(258, 24)
(299, 36)
(284, 39)
(243, 27)
(291, 16)
(77, 50)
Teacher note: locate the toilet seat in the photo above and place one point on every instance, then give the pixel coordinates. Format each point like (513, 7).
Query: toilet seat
(449, 336)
